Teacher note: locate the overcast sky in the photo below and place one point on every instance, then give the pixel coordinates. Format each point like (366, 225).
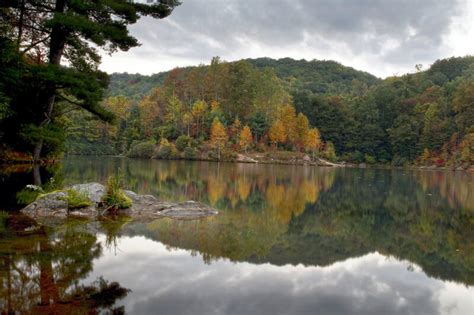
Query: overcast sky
(383, 37)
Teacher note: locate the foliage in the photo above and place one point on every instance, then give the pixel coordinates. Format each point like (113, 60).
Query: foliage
(190, 153)
(114, 197)
(365, 119)
(245, 138)
(218, 136)
(36, 88)
(144, 149)
(77, 199)
(182, 142)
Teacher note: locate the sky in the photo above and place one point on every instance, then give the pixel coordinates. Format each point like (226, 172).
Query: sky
(383, 37)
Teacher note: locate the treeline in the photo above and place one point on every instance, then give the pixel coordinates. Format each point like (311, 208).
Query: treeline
(425, 118)
(207, 112)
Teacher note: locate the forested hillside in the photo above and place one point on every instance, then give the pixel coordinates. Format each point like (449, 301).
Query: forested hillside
(317, 76)
(321, 77)
(425, 118)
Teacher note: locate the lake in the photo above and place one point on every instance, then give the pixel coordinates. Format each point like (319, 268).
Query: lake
(288, 240)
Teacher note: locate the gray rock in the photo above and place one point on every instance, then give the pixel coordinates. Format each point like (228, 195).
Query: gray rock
(144, 206)
(49, 204)
(94, 191)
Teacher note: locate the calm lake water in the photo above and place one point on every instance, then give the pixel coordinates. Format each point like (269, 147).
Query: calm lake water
(288, 240)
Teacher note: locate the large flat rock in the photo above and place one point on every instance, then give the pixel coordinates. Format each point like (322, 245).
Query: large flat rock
(144, 206)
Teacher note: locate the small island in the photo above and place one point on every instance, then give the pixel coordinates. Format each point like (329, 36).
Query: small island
(87, 201)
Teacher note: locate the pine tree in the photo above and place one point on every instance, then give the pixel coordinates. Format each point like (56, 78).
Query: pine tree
(72, 31)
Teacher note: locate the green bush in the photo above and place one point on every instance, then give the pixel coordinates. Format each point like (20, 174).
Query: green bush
(114, 197)
(369, 159)
(164, 152)
(142, 150)
(183, 142)
(77, 199)
(190, 153)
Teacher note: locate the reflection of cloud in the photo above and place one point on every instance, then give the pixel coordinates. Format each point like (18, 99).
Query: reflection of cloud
(175, 282)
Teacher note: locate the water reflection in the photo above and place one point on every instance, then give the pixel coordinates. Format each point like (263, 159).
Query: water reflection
(179, 282)
(288, 239)
(40, 270)
(315, 216)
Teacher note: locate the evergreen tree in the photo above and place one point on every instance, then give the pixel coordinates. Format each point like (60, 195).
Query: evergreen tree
(70, 31)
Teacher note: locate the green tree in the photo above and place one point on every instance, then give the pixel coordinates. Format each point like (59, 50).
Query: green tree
(73, 31)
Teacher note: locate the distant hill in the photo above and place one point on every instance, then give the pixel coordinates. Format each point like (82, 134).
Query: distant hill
(319, 77)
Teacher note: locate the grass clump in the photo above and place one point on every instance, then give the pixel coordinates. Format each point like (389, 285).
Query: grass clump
(114, 197)
(77, 199)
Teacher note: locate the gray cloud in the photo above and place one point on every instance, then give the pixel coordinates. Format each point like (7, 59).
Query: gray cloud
(177, 282)
(393, 33)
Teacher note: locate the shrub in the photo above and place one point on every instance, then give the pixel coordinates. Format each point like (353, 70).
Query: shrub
(190, 153)
(369, 159)
(183, 142)
(77, 199)
(164, 152)
(114, 197)
(142, 150)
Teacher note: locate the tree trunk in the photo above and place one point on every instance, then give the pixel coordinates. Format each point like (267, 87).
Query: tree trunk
(56, 48)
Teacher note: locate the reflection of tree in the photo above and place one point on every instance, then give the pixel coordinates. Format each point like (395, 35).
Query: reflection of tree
(288, 214)
(363, 211)
(41, 272)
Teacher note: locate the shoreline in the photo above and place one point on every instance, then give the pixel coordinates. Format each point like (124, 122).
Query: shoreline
(294, 160)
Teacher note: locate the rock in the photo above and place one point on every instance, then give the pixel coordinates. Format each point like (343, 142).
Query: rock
(94, 191)
(323, 162)
(244, 158)
(49, 204)
(144, 206)
(306, 158)
(362, 165)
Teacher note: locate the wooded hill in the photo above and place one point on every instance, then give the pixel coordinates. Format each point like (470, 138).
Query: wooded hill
(317, 76)
(425, 117)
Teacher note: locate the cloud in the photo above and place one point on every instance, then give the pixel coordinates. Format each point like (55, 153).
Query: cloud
(178, 282)
(373, 35)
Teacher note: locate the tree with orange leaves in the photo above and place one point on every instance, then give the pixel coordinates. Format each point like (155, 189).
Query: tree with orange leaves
(246, 138)
(219, 136)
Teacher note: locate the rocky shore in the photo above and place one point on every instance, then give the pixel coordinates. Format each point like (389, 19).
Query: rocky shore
(54, 205)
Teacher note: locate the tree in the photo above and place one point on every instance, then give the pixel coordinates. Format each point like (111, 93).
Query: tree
(234, 130)
(198, 111)
(219, 136)
(173, 117)
(277, 133)
(301, 131)
(312, 140)
(245, 138)
(329, 151)
(73, 31)
(463, 105)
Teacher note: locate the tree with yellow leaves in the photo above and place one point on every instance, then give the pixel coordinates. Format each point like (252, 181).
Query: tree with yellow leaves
(245, 138)
(277, 133)
(312, 141)
(219, 136)
(301, 130)
(199, 113)
(235, 130)
(287, 115)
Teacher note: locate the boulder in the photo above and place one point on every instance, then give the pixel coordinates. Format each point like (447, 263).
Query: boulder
(144, 206)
